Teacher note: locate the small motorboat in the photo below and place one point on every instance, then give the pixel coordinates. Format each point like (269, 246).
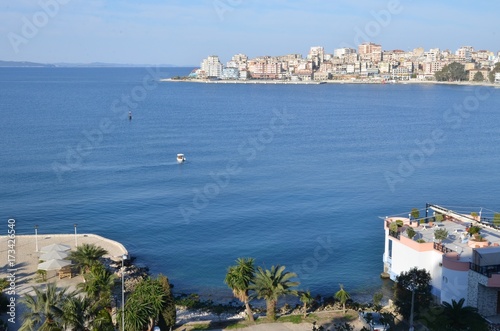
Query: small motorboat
(180, 158)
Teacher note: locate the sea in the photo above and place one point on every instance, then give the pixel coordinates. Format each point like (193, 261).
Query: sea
(294, 175)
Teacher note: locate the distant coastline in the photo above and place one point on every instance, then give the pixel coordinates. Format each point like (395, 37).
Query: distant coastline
(356, 81)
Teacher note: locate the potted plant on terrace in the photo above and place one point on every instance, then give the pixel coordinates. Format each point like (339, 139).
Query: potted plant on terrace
(473, 230)
(410, 232)
(440, 235)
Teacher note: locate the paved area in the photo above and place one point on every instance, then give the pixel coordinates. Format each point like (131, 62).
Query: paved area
(19, 261)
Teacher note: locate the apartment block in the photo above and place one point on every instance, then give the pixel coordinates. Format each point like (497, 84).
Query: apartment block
(212, 67)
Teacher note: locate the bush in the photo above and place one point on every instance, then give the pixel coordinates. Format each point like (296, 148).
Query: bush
(399, 223)
(191, 301)
(440, 234)
(496, 219)
(439, 217)
(421, 241)
(415, 213)
(474, 229)
(393, 227)
(410, 232)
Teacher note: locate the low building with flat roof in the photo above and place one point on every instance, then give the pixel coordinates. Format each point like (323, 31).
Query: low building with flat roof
(462, 265)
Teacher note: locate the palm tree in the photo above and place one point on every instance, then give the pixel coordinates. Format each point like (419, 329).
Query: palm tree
(76, 313)
(144, 305)
(98, 285)
(271, 285)
(102, 322)
(86, 255)
(169, 313)
(238, 279)
(44, 309)
(459, 317)
(306, 299)
(342, 296)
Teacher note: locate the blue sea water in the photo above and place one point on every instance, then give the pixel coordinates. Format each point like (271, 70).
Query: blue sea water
(288, 174)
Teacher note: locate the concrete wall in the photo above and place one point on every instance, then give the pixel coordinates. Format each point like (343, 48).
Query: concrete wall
(405, 258)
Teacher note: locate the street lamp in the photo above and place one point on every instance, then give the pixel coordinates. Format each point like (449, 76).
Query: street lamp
(412, 288)
(76, 242)
(124, 257)
(36, 238)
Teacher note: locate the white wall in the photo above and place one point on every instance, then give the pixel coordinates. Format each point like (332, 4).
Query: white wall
(454, 285)
(404, 258)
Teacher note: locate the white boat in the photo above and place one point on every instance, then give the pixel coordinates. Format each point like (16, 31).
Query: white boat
(180, 158)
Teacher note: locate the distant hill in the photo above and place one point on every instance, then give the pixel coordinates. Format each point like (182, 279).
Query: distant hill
(109, 65)
(73, 65)
(23, 64)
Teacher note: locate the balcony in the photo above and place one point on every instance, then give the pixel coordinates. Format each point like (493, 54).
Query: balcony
(442, 248)
(487, 271)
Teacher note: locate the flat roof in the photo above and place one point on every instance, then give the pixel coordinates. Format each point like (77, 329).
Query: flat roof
(456, 235)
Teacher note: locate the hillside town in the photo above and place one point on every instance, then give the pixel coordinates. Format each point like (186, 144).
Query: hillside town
(368, 62)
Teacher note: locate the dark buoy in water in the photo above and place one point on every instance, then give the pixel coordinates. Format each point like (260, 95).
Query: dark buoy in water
(129, 115)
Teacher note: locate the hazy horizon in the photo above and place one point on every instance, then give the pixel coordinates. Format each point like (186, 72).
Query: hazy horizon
(183, 33)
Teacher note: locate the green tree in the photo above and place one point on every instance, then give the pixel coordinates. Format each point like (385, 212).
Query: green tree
(87, 255)
(102, 321)
(457, 317)
(415, 213)
(145, 305)
(492, 73)
(238, 279)
(342, 296)
(270, 285)
(76, 313)
(377, 299)
(417, 279)
(478, 77)
(307, 300)
(168, 313)
(451, 72)
(440, 234)
(496, 219)
(98, 285)
(410, 232)
(44, 308)
(4, 283)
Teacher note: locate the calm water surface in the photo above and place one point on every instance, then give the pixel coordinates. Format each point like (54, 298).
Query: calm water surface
(288, 174)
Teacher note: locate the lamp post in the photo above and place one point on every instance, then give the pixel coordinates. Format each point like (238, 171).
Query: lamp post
(412, 287)
(36, 238)
(412, 303)
(124, 257)
(76, 241)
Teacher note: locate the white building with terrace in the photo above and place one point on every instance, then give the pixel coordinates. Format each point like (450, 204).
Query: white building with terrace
(462, 263)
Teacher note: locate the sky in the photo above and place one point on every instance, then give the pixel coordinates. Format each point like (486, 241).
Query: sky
(183, 32)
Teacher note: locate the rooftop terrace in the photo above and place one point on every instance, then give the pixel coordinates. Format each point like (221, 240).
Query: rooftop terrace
(455, 224)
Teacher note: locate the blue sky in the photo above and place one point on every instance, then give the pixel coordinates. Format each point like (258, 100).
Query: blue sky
(185, 32)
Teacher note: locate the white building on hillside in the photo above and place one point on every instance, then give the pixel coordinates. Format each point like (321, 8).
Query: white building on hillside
(212, 67)
(461, 266)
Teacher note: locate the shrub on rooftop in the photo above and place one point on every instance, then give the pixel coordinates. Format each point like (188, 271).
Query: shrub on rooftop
(473, 230)
(410, 232)
(496, 219)
(440, 234)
